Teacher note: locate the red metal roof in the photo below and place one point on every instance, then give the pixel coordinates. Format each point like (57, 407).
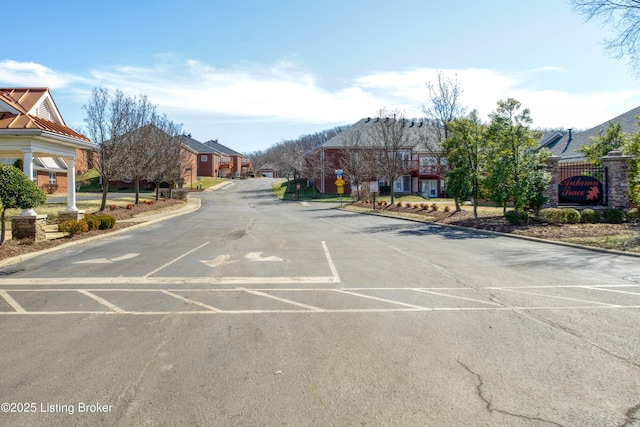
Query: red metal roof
(23, 100)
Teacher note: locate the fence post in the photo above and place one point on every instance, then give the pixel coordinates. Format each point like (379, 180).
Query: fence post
(618, 179)
(551, 192)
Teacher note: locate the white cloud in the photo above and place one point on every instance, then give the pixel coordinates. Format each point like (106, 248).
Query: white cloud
(285, 92)
(30, 74)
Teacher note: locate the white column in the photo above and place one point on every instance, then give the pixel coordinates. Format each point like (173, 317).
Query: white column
(27, 164)
(27, 168)
(71, 185)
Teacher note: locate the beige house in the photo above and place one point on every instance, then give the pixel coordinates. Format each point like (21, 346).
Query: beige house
(32, 129)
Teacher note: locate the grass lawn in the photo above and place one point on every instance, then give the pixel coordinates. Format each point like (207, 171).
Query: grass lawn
(281, 191)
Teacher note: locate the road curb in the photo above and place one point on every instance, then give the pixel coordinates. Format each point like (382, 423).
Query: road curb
(496, 233)
(171, 214)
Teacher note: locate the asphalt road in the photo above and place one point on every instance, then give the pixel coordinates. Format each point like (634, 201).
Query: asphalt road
(252, 311)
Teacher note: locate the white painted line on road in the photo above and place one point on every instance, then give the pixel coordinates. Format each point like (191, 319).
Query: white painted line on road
(417, 307)
(175, 260)
(323, 311)
(102, 301)
(125, 257)
(190, 301)
(13, 303)
(299, 304)
(168, 280)
(332, 267)
(456, 297)
(598, 288)
(559, 297)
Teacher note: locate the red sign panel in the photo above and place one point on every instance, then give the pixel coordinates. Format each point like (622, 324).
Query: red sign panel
(585, 190)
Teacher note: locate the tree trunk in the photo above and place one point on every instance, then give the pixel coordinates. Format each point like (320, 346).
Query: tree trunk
(2, 233)
(136, 188)
(105, 190)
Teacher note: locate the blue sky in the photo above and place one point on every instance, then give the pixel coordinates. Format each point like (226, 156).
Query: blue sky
(253, 73)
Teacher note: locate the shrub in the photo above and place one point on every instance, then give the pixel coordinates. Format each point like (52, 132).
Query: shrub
(74, 227)
(589, 216)
(113, 207)
(447, 209)
(180, 194)
(634, 215)
(613, 216)
(570, 216)
(551, 215)
(434, 207)
(106, 222)
(131, 206)
(92, 221)
(517, 217)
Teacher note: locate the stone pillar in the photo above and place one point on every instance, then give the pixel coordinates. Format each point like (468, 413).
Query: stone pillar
(551, 192)
(68, 216)
(617, 179)
(29, 227)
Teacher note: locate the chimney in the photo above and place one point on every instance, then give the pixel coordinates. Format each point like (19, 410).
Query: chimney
(570, 137)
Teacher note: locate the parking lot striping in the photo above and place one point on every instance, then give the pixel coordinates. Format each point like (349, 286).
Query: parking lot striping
(175, 260)
(53, 281)
(190, 301)
(102, 301)
(332, 267)
(13, 303)
(319, 311)
(598, 288)
(455, 296)
(418, 307)
(299, 304)
(559, 297)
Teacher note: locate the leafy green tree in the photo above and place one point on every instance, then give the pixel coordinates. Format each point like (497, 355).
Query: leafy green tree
(612, 139)
(515, 169)
(465, 153)
(17, 191)
(631, 146)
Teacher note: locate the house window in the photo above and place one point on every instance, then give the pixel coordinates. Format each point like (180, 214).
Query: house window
(203, 158)
(34, 176)
(402, 184)
(52, 177)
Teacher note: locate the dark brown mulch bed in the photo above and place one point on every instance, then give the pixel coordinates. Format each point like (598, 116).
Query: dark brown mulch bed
(498, 223)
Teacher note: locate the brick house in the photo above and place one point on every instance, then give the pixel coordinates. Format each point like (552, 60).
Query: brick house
(423, 170)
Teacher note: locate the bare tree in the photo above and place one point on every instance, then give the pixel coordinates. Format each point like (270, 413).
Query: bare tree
(390, 138)
(107, 122)
(357, 161)
(167, 158)
(139, 141)
(624, 16)
(445, 104)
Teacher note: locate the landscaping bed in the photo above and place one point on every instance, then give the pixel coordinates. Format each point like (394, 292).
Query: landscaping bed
(625, 237)
(12, 248)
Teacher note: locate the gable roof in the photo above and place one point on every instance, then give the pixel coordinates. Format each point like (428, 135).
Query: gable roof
(213, 143)
(196, 145)
(565, 144)
(418, 130)
(33, 109)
